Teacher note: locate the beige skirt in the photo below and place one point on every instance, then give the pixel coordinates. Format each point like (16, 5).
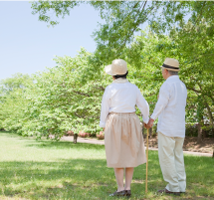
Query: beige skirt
(124, 141)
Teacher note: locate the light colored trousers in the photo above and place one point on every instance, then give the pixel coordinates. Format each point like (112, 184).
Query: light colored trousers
(172, 162)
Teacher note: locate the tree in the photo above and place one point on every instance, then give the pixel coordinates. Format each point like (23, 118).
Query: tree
(13, 101)
(123, 19)
(147, 55)
(68, 96)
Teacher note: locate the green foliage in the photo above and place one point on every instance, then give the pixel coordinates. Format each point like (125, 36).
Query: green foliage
(60, 8)
(68, 96)
(13, 101)
(124, 18)
(147, 54)
(194, 51)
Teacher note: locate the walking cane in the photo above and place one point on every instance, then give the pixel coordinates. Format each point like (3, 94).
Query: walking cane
(147, 157)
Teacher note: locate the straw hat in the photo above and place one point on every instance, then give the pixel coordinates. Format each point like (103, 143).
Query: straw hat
(171, 64)
(118, 67)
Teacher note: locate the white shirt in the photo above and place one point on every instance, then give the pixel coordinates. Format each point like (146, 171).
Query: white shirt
(121, 97)
(171, 108)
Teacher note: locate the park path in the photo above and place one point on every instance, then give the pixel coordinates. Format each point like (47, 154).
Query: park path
(101, 142)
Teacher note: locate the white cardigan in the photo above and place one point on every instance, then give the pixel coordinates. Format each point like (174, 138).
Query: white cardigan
(121, 97)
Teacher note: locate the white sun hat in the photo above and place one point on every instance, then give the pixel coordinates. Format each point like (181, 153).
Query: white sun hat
(171, 64)
(118, 67)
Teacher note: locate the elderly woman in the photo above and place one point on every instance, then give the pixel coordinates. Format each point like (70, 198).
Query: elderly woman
(123, 137)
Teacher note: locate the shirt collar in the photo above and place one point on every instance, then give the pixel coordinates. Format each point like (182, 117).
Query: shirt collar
(173, 77)
(120, 80)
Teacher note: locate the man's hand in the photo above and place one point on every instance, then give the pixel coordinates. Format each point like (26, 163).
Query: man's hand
(150, 123)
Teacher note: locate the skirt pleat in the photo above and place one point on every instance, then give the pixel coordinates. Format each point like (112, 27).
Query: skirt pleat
(124, 143)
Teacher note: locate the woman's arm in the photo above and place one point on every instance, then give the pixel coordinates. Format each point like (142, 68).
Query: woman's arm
(143, 106)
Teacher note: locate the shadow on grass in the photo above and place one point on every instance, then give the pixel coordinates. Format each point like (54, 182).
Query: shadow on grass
(64, 145)
(67, 179)
(9, 133)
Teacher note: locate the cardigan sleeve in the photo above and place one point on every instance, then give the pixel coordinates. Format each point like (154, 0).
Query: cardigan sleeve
(143, 106)
(104, 108)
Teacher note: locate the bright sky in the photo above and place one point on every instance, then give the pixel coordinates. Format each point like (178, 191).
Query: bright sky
(28, 45)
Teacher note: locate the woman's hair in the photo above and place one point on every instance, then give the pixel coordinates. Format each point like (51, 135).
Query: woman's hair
(121, 76)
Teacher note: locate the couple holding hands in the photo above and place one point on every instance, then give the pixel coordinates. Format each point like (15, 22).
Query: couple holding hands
(124, 144)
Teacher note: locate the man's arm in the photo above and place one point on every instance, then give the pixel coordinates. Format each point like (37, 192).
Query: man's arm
(163, 100)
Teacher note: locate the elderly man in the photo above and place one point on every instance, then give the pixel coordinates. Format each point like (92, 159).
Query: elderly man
(170, 110)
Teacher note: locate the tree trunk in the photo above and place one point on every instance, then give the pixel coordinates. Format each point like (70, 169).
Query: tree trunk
(199, 133)
(75, 138)
(210, 114)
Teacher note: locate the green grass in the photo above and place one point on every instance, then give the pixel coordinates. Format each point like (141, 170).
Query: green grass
(31, 169)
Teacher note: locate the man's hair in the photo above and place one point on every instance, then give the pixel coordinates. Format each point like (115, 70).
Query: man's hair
(121, 76)
(172, 72)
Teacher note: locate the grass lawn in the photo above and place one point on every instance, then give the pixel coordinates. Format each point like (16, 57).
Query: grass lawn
(33, 169)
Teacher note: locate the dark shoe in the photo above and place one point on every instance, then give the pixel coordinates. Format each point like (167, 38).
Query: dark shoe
(169, 192)
(128, 193)
(118, 194)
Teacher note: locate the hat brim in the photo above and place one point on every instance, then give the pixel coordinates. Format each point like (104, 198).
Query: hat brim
(108, 70)
(175, 70)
